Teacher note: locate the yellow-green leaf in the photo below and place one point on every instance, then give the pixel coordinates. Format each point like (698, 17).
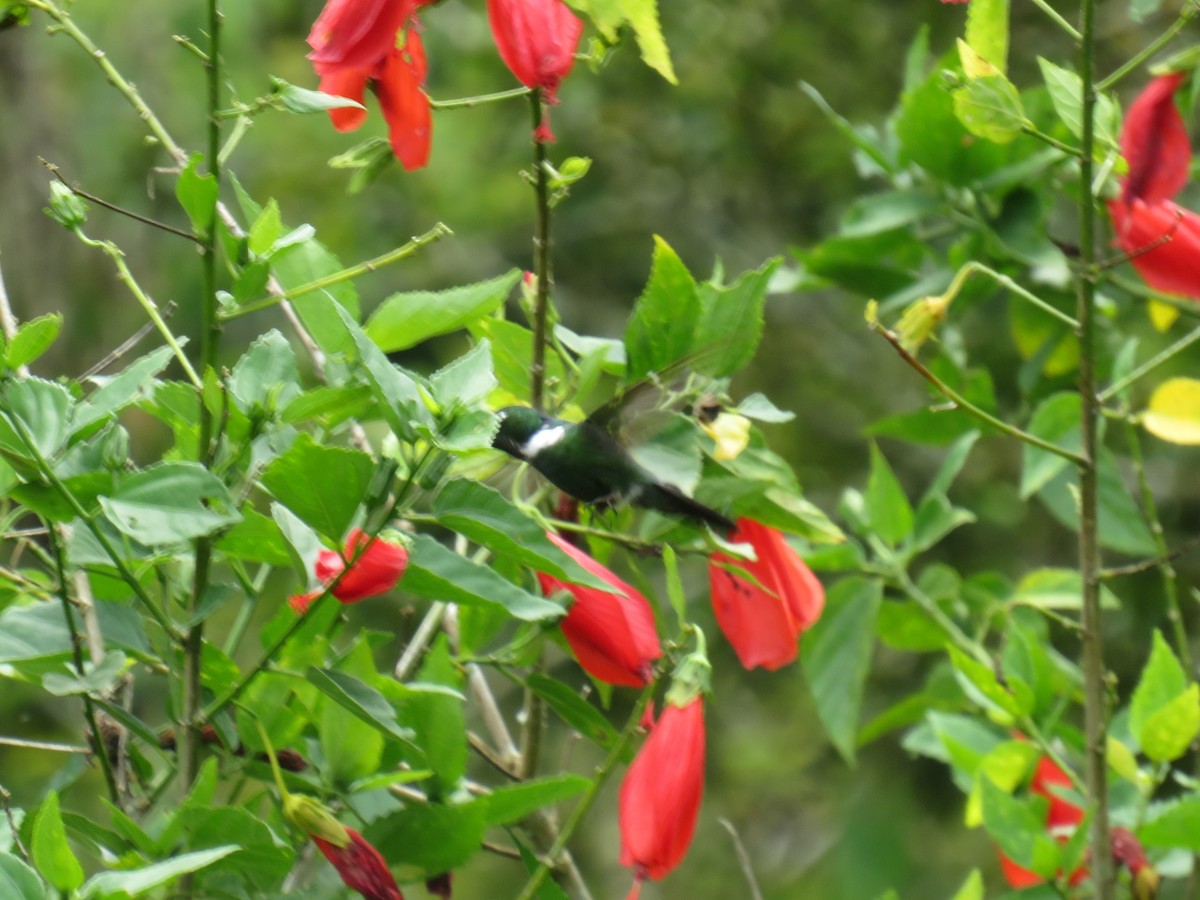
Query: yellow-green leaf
(1162, 315)
(1165, 736)
(987, 31)
(642, 16)
(1174, 411)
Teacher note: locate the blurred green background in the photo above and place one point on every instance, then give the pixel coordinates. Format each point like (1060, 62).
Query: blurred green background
(735, 164)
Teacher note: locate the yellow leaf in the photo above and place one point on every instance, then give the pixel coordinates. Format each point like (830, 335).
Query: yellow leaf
(974, 65)
(1174, 411)
(1162, 315)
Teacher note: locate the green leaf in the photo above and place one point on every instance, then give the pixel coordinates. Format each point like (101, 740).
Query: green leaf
(888, 509)
(323, 486)
(302, 100)
(987, 31)
(262, 859)
(170, 503)
(1164, 712)
(352, 748)
(512, 803)
(436, 573)
(483, 515)
(1066, 91)
(1055, 420)
(990, 107)
(980, 683)
(39, 631)
(431, 836)
(573, 709)
(51, 852)
(318, 310)
(1173, 824)
(1055, 589)
(886, 210)
(98, 677)
(662, 326)
(32, 339)
(256, 538)
(266, 377)
(18, 881)
(935, 519)
(405, 320)
(114, 394)
(972, 888)
(361, 699)
(265, 229)
(837, 657)
(43, 408)
(966, 741)
(1140, 10)
(197, 194)
(135, 881)
(731, 321)
(466, 381)
(439, 717)
(642, 16)
(1019, 831)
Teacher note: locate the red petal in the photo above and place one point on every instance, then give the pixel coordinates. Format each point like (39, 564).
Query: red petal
(361, 867)
(1163, 242)
(376, 571)
(660, 795)
(536, 39)
(355, 34)
(348, 83)
(1155, 143)
(404, 104)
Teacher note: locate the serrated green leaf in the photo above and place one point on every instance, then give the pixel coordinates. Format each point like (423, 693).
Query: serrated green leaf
(731, 321)
(437, 573)
(43, 408)
(888, 509)
(197, 194)
(322, 485)
(51, 852)
(434, 837)
(1168, 732)
(662, 326)
(642, 16)
(266, 377)
(170, 503)
(119, 391)
(405, 320)
(32, 339)
(1163, 679)
(1173, 824)
(837, 657)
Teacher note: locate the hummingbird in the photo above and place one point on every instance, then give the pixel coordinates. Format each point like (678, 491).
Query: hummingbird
(586, 462)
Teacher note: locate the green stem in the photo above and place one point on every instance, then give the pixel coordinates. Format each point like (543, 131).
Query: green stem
(1058, 20)
(327, 281)
(125, 276)
(1032, 130)
(956, 635)
(589, 797)
(1092, 663)
(1186, 15)
(67, 25)
(1008, 284)
(479, 99)
(967, 406)
(127, 575)
(541, 257)
(1150, 365)
(99, 751)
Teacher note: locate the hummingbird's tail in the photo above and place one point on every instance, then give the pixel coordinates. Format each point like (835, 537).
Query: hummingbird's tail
(669, 499)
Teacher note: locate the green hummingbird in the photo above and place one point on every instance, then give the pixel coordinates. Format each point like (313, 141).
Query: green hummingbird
(584, 461)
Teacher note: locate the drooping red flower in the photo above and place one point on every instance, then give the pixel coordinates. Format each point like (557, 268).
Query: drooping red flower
(361, 866)
(660, 796)
(611, 633)
(764, 621)
(356, 34)
(537, 41)
(1161, 238)
(375, 571)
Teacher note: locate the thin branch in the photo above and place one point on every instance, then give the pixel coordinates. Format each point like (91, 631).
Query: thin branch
(1058, 20)
(743, 859)
(1150, 365)
(128, 344)
(1135, 62)
(967, 406)
(128, 213)
(478, 100)
(6, 800)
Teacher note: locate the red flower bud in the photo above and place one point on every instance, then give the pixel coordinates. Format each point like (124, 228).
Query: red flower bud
(660, 796)
(612, 633)
(376, 570)
(764, 621)
(361, 867)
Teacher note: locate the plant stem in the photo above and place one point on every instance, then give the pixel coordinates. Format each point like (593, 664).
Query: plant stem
(541, 257)
(1058, 20)
(95, 738)
(967, 406)
(1095, 695)
(599, 779)
(1150, 365)
(1032, 130)
(1009, 285)
(439, 230)
(479, 99)
(1189, 12)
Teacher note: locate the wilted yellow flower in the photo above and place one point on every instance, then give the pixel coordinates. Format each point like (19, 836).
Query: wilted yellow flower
(731, 433)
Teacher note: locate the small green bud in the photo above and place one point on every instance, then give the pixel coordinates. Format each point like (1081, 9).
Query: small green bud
(66, 208)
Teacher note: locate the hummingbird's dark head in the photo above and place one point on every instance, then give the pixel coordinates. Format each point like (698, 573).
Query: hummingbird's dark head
(517, 425)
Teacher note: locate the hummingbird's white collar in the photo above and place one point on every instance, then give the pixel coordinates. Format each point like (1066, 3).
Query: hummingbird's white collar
(542, 439)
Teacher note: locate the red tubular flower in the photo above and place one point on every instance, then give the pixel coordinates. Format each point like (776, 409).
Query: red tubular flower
(356, 34)
(1161, 239)
(1062, 816)
(361, 866)
(611, 633)
(660, 796)
(376, 570)
(537, 41)
(764, 621)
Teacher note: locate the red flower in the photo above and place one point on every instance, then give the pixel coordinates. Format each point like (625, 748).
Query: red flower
(375, 571)
(660, 796)
(764, 621)
(361, 866)
(611, 633)
(356, 34)
(537, 41)
(1161, 239)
